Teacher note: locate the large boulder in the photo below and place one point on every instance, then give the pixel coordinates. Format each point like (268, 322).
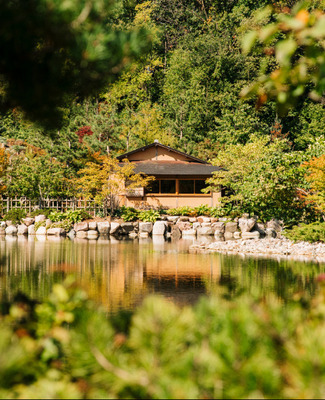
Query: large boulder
(103, 227)
(11, 230)
(92, 234)
(145, 227)
(127, 227)
(184, 225)
(205, 231)
(219, 228)
(81, 226)
(246, 224)
(40, 218)
(250, 235)
(56, 231)
(189, 232)
(275, 224)
(22, 229)
(159, 228)
(92, 225)
(28, 221)
(231, 227)
(41, 231)
(81, 234)
(31, 230)
(115, 228)
(172, 218)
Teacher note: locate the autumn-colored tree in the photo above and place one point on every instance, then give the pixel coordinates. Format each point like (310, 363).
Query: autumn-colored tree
(106, 179)
(315, 175)
(4, 161)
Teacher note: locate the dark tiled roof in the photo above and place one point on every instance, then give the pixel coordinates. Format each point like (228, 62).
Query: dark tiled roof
(181, 169)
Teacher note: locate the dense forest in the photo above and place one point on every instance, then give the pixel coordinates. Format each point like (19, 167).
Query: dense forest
(182, 89)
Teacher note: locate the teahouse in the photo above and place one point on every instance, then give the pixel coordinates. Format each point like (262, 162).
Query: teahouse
(179, 178)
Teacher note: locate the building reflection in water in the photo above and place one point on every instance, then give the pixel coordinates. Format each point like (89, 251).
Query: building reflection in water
(116, 273)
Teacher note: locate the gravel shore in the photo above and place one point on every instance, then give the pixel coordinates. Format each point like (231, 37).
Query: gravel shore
(266, 247)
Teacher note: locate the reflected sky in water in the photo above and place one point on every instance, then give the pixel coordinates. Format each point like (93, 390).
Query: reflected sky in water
(120, 273)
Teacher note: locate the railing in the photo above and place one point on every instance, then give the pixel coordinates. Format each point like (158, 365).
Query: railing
(9, 203)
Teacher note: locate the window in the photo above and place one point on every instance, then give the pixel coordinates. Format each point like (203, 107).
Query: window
(153, 187)
(199, 185)
(167, 186)
(186, 186)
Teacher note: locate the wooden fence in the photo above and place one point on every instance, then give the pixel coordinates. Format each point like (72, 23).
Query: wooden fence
(7, 204)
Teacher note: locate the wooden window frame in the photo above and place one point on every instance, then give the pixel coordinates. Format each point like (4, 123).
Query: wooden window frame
(177, 188)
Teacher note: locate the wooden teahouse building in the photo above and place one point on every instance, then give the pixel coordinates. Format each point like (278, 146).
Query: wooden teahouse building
(179, 178)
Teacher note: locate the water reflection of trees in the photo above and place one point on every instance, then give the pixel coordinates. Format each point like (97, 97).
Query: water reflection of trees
(119, 274)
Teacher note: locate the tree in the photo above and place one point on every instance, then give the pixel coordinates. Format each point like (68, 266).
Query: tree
(4, 162)
(53, 50)
(262, 177)
(107, 179)
(297, 39)
(315, 175)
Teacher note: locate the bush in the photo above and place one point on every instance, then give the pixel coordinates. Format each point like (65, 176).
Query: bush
(307, 232)
(42, 211)
(129, 214)
(149, 216)
(73, 216)
(66, 348)
(15, 215)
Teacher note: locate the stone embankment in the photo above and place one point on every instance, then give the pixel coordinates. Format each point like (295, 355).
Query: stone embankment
(169, 226)
(265, 247)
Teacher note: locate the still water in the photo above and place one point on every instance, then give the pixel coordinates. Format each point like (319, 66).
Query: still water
(120, 273)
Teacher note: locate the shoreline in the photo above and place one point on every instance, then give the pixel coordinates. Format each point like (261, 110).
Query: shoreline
(270, 248)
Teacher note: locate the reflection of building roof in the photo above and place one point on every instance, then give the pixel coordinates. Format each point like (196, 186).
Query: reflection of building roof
(156, 144)
(157, 168)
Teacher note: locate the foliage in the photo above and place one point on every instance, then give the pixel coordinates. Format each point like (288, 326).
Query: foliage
(299, 50)
(149, 216)
(4, 162)
(65, 347)
(262, 178)
(307, 232)
(41, 211)
(185, 211)
(39, 224)
(60, 49)
(106, 179)
(128, 213)
(15, 215)
(73, 216)
(315, 175)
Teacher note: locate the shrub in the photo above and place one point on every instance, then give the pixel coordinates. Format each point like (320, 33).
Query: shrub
(129, 213)
(203, 210)
(307, 232)
(15, 215)
(73, 216)
(149, 216)
(184, 211)
(42, 211)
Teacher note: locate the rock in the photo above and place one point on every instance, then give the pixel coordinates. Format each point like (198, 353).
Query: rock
(246, 224)
(189, 232)
(28, 221)
(192, 219)
(40, 218)
(206, 219)
(270, 233)
(237, 235)
(3, 224)
(81, 234)
(196, 225)
(31, 230)
(115, 228)
(203, 231)
(218, 234)
(213, 220)
(133, 235)
(92, 225)
(92, 234)
(143, 234)
(184, 225)
(176, 232)
(9, 223)
(81, 226)
(229, 235)
(159, 228)
(231, 227)
(172, 218)
(48, 223)
(274, 224)
(11, 230)
(56, 231)
(22, 229)
(41, 231)
(145, 227)
(251, 235)
(206, 224)
(103, 227)
(259, 227)
(127, 227)
(71, 234)
(218, 227)
(183, 219)
(2, 230)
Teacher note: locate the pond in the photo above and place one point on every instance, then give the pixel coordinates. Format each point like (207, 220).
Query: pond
(120, 273)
